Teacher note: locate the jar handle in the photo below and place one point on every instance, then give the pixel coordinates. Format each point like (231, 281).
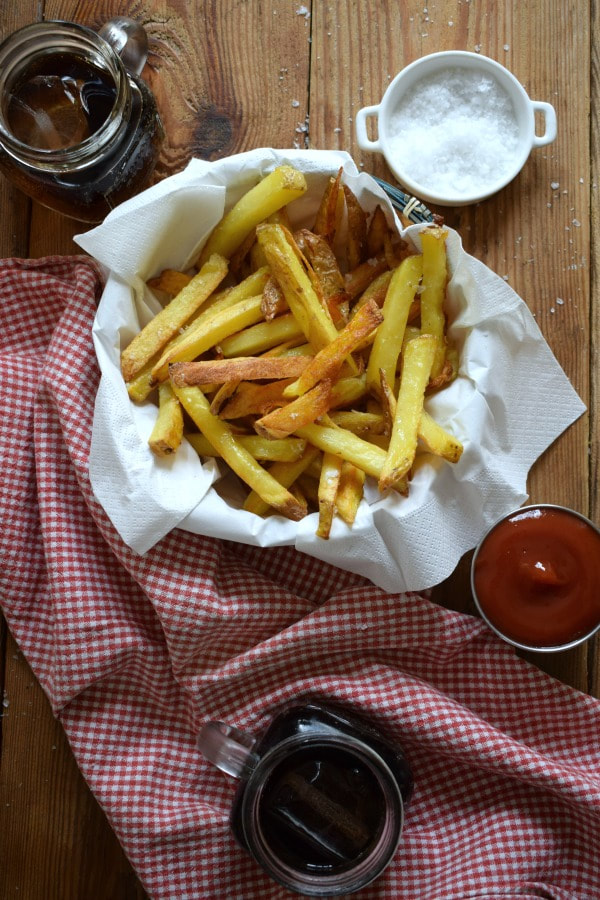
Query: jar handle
(129, 41)
(228, 748)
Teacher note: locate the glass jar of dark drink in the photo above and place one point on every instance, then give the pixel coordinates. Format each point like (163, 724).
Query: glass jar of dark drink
(78, 133)
(320, 804)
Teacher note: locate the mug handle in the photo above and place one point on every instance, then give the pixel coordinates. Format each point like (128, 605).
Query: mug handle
(549, 116)
(362, 137)
(228, 748)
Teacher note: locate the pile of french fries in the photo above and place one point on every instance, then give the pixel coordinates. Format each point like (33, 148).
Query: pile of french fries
(301, 358)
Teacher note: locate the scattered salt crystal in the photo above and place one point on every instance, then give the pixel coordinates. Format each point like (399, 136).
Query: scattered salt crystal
(576, 223)
(295, 103)
(554, 185)
(455, 132)
(337, 130)
(560, 301)
(303, 11)
(507, 46)
(477, 48)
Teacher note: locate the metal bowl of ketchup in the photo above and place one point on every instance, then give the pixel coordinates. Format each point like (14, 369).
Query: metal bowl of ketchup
(535, 578)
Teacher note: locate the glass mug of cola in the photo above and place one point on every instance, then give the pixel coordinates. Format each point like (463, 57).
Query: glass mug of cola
(79, 131)
(321, 796)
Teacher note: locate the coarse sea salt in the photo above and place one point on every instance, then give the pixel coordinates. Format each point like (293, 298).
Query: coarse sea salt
(455, 132)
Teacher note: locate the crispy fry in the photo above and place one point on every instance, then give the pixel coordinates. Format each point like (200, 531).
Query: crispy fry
(377, 232)
(305, 409)
(331, 469)
(251, 399)
(170, 281)
(275, 190)
(221, 324)
(274, 302)
(329, 360)
(388, 340)
(359, 279)
(327, 274)
(438, 440)
(348, 446)
(301, 297)
(284, 473)
(416, 369)
(168, 429)
(287, 449)
(435, 276)
(329, 213)
(356, 237)
(350, 492)
(243, 368)
(158, 332)
(237, 457)
(262, 336)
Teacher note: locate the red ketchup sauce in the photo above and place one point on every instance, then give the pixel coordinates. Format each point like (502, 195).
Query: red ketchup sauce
(536, 576)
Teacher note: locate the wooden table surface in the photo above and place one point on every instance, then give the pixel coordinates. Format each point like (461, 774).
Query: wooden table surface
(230, 75)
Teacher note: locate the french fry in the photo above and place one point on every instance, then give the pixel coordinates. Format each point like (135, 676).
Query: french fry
(285, 474)
(274, 303)
(359, 279)
(255, 399)
(301, 411)
(237, 457)
(350, 492)
(242, 368)
(275, 190)
(221, 324)
(262, 336)
(356, 237)
(170, 281)
(286, 450)
(348, 446)
(167, 433)
(416, 369)
(313, 319)
(435, 276)
(330, 209)
(438, 440)
(330, 359)
(331, 469)
(388, 340)
(168, 321)
(329, 278)
(358, 421)
(377, 231)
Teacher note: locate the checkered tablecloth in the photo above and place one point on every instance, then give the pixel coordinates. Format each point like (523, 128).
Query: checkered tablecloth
(135, 653)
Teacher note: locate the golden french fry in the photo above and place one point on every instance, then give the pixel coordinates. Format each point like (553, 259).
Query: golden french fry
(348, 390)
(159, 330)
(262, 336)
(438, 440)
(215, 328)
(416, 369)
(348, 446)
(435, 276)
(359, 279)
(275, 190)
(350, 492)
(330, 359)
(377, 232)
(287, 449)
(313, 319)
(330, 209)
(274, 303)
(285, 474)
(359, 421)
(170, 281)
(331, 468)
(242, 368)
(237, 457)
(168, 429)
(301, 411)
(252, 399)
(396, 307)
(356, 237)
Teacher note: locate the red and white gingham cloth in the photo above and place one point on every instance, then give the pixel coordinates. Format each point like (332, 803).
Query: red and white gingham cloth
(136, 652)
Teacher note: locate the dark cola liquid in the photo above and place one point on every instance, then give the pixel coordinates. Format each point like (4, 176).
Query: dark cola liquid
(59, 101)
(322, 811)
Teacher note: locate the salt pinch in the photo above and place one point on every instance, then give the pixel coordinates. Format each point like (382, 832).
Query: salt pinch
(455, 132)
